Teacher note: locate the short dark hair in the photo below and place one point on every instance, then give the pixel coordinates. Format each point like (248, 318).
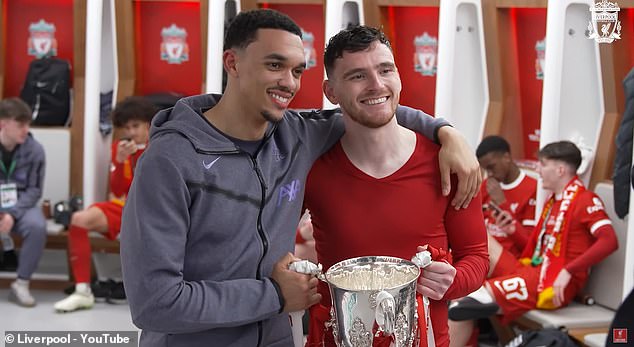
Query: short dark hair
(16, 109)
(354, 39)
(492, 144)
(565, 151)
(133, 108)
(243, 29)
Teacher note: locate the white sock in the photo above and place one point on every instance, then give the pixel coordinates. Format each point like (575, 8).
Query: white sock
(83, 288)
(482, 295)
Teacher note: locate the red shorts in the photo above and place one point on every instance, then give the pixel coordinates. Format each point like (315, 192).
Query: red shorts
(113, 213)
(515, 287)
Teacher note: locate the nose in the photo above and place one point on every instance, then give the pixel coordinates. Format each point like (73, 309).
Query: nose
(289, 81)
(375, 81)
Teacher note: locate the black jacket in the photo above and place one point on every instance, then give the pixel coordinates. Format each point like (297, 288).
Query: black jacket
(623, 160)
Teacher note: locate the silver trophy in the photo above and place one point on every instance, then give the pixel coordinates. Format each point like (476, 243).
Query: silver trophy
(373, 290)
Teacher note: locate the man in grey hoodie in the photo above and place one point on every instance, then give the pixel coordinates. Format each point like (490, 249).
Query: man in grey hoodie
(210, 218)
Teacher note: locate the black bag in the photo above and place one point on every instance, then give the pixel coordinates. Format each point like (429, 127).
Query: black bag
(47, 90)
(549, 337)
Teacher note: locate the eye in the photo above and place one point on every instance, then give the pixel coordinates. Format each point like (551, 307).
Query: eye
(275, 66)
(298, 72)
(356, 76)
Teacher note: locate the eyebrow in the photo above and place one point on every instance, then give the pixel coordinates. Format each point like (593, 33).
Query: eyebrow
(279, 57)
(381, 65)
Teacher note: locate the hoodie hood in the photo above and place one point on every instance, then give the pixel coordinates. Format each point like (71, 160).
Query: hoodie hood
(186, 119)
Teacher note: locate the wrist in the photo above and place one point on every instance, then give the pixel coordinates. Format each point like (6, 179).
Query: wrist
(443, 133)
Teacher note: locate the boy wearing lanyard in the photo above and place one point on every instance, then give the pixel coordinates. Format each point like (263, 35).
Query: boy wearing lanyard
(21, 179)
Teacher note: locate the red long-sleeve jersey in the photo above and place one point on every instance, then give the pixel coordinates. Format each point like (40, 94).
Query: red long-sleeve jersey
(121, 174)
(354, 214)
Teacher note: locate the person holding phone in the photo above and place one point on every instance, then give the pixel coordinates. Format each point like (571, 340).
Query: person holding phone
(132, 116)
(508, 195)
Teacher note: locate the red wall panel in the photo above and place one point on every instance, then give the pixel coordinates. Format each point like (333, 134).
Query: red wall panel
(18, 15)
(407, 23)
(530, 27)
(153, 74)
(310, 18)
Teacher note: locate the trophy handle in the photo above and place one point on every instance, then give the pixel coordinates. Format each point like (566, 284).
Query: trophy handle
(385, 312)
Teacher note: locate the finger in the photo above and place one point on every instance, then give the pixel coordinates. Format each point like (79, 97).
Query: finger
(428, 292)
(461, 193)
(445, 179)
(472, 189)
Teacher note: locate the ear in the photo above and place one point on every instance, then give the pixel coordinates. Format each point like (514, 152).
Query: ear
(230, 62)
(561, 169)
(328, 89)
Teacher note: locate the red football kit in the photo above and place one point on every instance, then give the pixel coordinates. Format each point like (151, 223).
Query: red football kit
(573, 233)
(520, 202)
(121, 175)
(354, 214)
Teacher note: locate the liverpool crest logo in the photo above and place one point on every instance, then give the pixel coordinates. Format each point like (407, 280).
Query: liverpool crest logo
(540, 49)
(605, 15)
(42, 42)
(174, 48)
(310, 55)
(425, 54)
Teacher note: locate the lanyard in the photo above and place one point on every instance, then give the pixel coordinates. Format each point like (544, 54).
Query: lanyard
(11, 168)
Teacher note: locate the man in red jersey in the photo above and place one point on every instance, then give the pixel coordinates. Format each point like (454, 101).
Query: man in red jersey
(376, 191)
(573, 233)
(508, 195)
(133, 116)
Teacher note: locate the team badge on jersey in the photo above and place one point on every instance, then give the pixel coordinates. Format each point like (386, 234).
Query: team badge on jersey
(308, 40)
(540, 50)
(174, 47)
(425, 54)
(42, 42)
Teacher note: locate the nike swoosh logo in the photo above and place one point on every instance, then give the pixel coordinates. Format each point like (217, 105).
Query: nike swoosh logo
(41, 84)
(208, 166)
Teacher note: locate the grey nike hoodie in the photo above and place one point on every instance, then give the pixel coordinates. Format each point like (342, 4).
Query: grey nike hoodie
(205, 222)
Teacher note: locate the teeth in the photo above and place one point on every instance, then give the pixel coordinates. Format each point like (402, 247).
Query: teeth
(280, 98)
(376, 101)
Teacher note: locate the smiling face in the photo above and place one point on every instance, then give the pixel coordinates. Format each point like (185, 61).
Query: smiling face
(268, 72)
(366, 85)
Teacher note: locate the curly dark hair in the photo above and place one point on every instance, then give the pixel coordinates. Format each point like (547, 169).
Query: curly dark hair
(492, 144)
(133, 108)
(243, 29)
(351, 40)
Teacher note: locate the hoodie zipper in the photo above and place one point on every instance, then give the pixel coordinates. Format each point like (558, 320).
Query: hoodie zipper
(258, 173)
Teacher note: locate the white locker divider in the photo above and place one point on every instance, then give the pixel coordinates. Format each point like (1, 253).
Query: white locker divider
(220, 14)
(340, 15)
(462, 88)
(572, 99)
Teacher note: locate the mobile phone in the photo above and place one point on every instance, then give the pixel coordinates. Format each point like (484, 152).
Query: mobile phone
(493, 206)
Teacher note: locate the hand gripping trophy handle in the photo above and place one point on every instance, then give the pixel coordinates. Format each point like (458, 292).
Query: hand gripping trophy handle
(305, 267)
(422, 259)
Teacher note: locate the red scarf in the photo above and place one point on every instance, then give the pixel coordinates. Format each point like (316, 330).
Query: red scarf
(548, 245)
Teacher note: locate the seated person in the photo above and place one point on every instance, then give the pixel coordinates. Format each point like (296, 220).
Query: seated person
(508, 194)
(22, 176)
(133, 116)
(572, 234)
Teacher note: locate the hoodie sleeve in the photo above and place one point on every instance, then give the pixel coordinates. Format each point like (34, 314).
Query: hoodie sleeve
(154, 236)
(29, 197)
